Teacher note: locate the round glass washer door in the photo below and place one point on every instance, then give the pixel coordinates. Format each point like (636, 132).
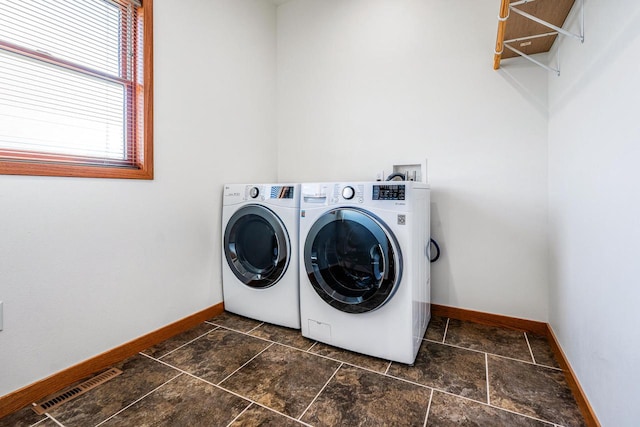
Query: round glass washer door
(256, 245)
(352, 260)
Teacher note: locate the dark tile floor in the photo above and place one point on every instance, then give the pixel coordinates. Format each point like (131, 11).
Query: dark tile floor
(234, 371)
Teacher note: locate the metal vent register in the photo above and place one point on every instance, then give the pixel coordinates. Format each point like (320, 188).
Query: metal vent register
(75, 391)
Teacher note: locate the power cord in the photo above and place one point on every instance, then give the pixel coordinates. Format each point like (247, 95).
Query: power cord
(432, 242)
(435, 244)
(393, 176)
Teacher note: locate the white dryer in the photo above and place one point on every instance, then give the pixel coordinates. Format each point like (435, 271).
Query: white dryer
(364, 266)
(260, 252)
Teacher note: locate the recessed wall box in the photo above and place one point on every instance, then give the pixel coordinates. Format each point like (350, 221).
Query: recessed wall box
(412, 171)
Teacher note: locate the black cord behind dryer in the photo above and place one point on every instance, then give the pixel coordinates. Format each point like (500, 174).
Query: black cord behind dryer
(435, 244)
(396, 175)
(432, 242)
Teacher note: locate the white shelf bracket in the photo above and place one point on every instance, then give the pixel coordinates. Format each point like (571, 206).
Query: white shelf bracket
(535, 61)
(557, 31)
(554, 27)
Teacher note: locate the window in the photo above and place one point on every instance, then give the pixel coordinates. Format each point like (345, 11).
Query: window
(75, 88)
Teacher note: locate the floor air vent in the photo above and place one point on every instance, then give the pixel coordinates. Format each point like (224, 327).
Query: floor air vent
(75, 391)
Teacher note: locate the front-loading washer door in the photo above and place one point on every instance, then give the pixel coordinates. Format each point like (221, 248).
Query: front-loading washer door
(352, 260)
(257, 247)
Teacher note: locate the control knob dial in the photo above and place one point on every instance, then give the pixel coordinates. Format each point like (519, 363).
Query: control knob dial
(348, 192)
(254, 192)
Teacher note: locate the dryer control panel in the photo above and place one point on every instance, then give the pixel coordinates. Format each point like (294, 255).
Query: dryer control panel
(265, 192)
(284, 195)
(388, 192)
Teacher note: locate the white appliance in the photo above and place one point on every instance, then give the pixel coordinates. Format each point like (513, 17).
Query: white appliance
(364, 266)
(260, 252)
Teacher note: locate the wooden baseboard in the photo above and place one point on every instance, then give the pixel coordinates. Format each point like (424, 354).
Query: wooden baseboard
(536, 328)
(532, 326)
(578, 393)
(20, 398)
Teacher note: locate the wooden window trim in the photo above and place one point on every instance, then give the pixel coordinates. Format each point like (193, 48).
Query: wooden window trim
(35, 168)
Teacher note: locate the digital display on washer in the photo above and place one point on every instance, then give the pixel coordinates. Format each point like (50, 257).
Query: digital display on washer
(388, 192)
(282, 192)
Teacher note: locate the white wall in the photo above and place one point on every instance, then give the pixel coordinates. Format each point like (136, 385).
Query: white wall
(88, 264)
(364, 84)
(594, 203)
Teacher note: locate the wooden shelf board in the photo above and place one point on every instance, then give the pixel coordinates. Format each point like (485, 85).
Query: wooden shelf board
(517, 26)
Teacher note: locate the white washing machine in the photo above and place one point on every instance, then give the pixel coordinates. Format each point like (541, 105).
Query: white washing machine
(260, 252)
(364, 266)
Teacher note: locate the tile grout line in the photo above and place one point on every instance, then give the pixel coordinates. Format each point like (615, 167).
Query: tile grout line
(446, 328)
(486, 372)
(234, 330)
(323, 356)
(187, 343)
(493, 354)
(253, 329)
(320, 392)
(308, 351)
(424, 386)
(548, 367)
(530, 349)
(245, 363)
(251, 400)
(138, 400)
(495, 407)
(284, 345)
(408, 381)
(264, 339)
(386, 371)
(551, 423)
(49, 417)
(226, 390)
(426, 417)
(240, 414)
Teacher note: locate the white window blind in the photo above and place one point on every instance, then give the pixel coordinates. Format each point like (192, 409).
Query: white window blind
(71, 82)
